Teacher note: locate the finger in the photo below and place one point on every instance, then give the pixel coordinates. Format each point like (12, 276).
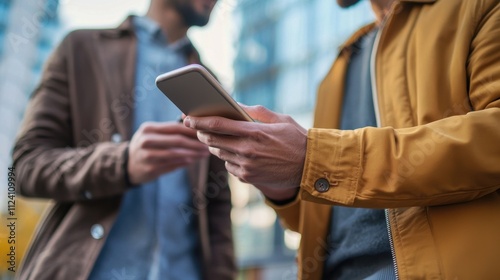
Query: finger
(225, 155)
(160, 169)
(228, 143)
(221, 125)
(160, 166)
(235, 170)
(166, 156)
(166, 128)
(262, 114)
(161, 141)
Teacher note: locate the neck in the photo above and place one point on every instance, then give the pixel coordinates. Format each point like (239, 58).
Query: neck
(381, 8)
(170, 21)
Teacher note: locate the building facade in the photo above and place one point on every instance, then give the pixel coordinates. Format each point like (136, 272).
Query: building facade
(284, 48)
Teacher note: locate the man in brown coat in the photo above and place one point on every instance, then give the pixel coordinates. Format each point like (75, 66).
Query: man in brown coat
(136, 194)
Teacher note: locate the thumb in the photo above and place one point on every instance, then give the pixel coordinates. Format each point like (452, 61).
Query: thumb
(262, 114)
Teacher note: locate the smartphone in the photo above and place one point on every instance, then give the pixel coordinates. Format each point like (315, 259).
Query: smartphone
(197, 93)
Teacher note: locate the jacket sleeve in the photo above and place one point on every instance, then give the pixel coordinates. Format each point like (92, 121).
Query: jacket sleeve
(222, 259)
(288, 213)
(48, 161)
(455, 159)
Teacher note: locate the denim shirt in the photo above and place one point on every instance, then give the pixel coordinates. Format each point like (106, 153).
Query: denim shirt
(152, 237)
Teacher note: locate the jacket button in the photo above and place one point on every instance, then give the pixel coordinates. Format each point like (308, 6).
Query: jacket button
(87, 194)
(97, 231)
(116, 138)
(322, 185)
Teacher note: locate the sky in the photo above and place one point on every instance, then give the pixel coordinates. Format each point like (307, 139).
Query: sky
(214, 41)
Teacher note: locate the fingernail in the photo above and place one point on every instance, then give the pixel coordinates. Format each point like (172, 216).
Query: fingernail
(187, 122)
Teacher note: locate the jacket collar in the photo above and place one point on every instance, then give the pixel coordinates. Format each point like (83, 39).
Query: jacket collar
(365, 29)
(355, 37)
(126, 28)
(419, 1)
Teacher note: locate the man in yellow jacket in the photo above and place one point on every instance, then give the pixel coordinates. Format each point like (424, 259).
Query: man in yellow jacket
(428, 153)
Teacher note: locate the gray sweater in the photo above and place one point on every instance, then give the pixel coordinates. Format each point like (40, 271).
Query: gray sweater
(358, 238)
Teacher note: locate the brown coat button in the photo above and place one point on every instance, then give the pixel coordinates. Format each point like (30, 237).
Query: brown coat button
(322, 185)
(116, 138)
(97, 231)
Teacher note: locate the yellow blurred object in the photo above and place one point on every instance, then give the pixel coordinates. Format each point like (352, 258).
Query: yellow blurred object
(27, 213)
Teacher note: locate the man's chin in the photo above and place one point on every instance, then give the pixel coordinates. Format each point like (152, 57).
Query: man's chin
(192, 17)
(347, 3)
(197, 21)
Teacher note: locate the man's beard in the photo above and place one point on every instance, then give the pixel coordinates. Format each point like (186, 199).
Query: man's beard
(190, 16)
(347, 3)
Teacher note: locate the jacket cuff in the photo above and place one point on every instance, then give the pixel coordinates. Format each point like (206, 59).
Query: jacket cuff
(332, 166)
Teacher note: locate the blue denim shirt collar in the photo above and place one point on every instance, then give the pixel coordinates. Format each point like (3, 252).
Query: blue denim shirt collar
(151, 29)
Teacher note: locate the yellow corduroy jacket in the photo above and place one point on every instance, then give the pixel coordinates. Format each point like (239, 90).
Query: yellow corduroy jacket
(434, 162)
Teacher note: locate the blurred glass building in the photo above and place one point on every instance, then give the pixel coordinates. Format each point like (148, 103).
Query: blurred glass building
(28, 32)
(283, 50)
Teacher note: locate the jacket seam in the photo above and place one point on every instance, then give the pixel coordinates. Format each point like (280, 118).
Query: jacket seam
(359, 168)
(496, 187)
(436, 251)
(397, 235)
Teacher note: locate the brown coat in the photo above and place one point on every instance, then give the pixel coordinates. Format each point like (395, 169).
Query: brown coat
(434, 163)
(72, 149)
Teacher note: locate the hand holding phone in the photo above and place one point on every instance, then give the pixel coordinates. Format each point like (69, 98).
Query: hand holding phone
(158, 148)
(197, 93)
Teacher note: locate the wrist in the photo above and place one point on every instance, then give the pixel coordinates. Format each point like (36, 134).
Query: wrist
(126, 173)
(280, 196)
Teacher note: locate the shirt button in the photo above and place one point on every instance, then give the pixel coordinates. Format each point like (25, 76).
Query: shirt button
(87, 195)
(116, 138)
(322, 185)
(97, 231)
